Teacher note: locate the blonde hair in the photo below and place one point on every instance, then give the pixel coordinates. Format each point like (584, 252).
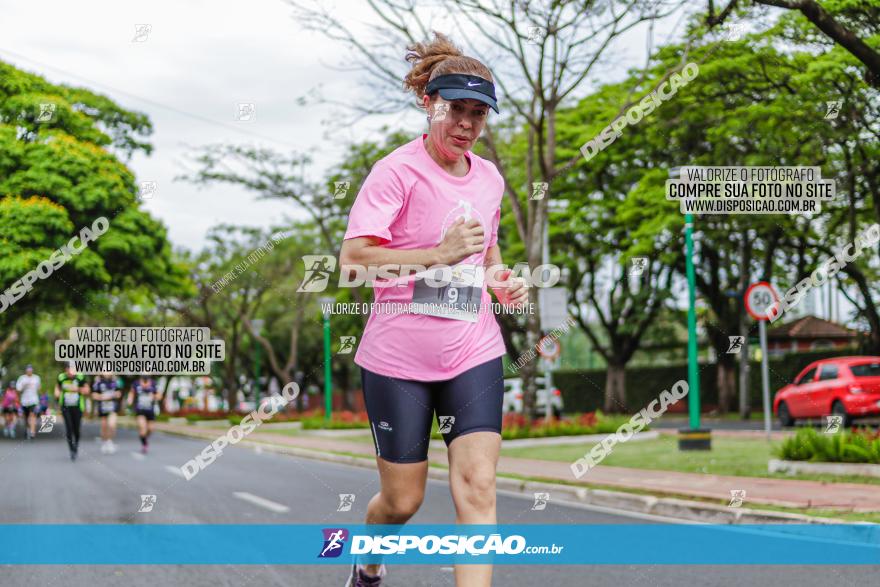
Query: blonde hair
(435, 58)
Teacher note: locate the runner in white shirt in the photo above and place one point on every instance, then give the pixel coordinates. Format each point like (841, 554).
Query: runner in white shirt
(28, 386)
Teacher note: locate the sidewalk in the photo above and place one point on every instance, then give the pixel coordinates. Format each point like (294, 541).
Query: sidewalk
(779, 492)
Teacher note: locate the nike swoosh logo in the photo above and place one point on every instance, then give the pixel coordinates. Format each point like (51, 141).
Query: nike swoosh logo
(471, 85)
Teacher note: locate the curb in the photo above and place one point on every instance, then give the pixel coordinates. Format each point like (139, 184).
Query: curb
(792, 467)
(693, 511)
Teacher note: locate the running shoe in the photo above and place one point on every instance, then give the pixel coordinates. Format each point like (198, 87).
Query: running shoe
(111, 448)
(359, 578)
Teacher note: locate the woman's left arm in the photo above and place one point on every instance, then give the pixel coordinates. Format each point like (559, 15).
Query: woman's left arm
(518, 292)
(493, 257)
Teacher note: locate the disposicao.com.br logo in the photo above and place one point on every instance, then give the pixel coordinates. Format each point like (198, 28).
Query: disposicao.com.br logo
(334, 540)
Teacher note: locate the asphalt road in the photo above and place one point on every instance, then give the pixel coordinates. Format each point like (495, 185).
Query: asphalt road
(40, 485)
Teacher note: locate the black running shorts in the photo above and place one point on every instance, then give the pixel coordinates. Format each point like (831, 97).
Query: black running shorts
(149, 414)
(401, 411)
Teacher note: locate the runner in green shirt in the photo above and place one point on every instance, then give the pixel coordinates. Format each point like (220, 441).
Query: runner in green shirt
(70, 392)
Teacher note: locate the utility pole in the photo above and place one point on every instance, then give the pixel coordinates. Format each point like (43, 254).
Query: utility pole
(745, 263)
(694, 437)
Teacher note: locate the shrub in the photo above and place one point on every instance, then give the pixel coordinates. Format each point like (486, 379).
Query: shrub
(236, 418)
(338, 420)
(197, 415)
(857, 446)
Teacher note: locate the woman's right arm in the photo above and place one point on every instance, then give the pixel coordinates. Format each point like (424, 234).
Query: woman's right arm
(462, 240)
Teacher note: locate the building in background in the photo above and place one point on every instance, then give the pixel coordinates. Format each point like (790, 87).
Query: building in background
(809, 333)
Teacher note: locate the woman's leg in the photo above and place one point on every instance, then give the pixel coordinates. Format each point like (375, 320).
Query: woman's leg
(111, 426)
(32, 421)
(474, 399)
(400, 414)
(400, 496)
(472, 462)
(142, 428)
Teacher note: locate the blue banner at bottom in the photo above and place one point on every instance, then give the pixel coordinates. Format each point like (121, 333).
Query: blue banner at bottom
(308, 544)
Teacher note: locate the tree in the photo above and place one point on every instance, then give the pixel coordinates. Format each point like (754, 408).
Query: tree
(619, 270)
(843, 22)
(60, 170)
(751, 104)
(227, 291)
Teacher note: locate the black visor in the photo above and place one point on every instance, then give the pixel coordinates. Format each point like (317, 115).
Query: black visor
(458, 86)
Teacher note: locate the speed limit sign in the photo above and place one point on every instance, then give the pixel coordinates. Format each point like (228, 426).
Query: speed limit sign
(760, 298)
(549, 348)
(761, 302)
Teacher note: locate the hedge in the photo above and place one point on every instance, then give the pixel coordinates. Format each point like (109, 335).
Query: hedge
(583, 389)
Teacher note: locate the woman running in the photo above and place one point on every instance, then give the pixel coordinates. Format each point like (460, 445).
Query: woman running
(432, 202)
(28, 385)
(11, 405)
(143, 396)
(106, 393)
(70, 392)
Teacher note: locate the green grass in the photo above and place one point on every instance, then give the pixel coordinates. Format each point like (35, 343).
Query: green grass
(745, 457)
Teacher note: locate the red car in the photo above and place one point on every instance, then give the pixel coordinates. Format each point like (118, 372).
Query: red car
(843, 386)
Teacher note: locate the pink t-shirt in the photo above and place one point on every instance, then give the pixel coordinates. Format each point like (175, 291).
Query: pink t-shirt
(408, 201)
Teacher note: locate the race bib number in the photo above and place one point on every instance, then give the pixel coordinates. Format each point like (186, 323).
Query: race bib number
(451, 292)
(71, 399)
(145, 401)
(108, 406)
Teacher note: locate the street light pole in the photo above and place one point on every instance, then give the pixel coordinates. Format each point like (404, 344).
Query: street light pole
(693, 367)
(692, 438)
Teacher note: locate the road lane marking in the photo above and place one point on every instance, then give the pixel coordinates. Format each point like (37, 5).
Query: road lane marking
(174, 470)
(262, 502)
(137, 456)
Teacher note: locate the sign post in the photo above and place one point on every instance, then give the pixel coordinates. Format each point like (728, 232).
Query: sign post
(760, 298)
(553, 307)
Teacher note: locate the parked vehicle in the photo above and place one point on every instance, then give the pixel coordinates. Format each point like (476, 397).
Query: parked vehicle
(844, 386)
(513, 398)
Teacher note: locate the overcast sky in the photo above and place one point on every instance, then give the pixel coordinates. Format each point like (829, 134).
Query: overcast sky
(200, 59)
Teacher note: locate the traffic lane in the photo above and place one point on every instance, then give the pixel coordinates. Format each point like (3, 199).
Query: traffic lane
(243, 468)
(242, 486)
